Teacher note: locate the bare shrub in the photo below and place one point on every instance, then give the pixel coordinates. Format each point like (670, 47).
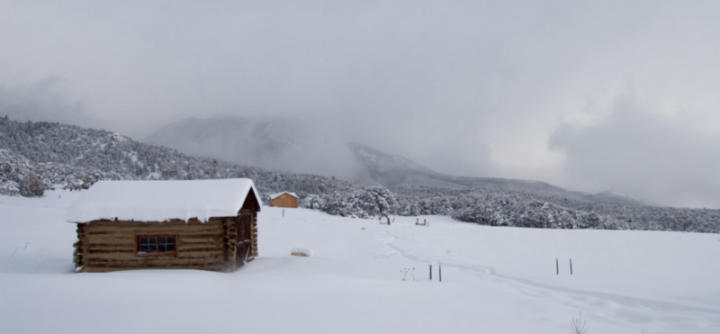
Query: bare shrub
(32, 186)
(578, 325)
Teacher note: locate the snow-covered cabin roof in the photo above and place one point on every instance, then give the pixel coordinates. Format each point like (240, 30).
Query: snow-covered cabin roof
(276, 195)
(161, 200)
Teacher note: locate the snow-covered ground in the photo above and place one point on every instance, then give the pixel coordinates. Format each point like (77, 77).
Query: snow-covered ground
(495, 280)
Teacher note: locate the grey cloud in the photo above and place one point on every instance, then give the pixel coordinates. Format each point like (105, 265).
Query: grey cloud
(464, 87)
(663, 160)
(43, 100)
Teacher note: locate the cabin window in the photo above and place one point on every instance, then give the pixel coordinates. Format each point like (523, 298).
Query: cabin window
(149, 244)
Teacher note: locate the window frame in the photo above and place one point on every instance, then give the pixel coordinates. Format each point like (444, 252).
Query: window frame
(137, 244)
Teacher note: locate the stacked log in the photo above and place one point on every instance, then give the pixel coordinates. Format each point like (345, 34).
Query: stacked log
(78, 247)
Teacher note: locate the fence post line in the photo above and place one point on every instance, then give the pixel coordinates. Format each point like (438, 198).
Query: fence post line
(430, 267)
(571, 268)
(439, 272)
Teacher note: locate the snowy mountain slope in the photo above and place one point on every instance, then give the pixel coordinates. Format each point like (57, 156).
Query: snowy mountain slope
(242, 140)
(398, 172)
(287, 144)
(360, 279)
(75, 157)
(390, 170)
(296, 145)
(498, 201)
(35, 156)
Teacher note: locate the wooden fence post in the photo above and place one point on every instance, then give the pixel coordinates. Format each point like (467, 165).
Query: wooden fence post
(557, 267)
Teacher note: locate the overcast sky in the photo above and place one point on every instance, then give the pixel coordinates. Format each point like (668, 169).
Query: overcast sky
(593, 96)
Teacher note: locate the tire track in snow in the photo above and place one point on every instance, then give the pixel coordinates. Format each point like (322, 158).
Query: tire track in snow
(634, 310)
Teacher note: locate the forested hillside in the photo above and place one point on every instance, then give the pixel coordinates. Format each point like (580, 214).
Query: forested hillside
(36, 156)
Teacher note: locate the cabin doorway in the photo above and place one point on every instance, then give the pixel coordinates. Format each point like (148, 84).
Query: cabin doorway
(244, 246)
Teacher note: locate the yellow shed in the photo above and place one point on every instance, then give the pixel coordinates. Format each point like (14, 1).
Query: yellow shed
(284, 199)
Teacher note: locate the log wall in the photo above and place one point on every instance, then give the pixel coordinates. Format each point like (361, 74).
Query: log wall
(111, 245)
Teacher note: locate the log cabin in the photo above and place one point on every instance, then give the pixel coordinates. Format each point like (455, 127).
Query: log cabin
(284, 199)
(183, 224)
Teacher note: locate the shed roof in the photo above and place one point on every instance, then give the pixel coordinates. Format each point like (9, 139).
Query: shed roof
(161, 200)
(276, 195)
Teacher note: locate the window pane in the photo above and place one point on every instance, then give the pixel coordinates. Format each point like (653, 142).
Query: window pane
(154, 244)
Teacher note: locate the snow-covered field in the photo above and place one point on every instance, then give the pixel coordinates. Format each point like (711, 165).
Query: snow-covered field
(364, 277)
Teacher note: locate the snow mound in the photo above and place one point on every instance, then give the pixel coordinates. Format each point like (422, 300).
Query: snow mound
(161, 200)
